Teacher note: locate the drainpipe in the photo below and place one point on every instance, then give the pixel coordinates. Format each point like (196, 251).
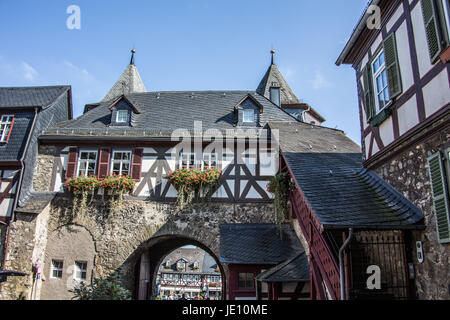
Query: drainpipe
(341, 263)
(19, 185)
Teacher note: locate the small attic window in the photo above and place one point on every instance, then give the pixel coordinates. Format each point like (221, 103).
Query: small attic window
(122, 116)
(275, 95)
(248, 116)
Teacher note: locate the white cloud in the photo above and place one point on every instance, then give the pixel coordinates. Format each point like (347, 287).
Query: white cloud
(79, 72)
(320, 81)
(28, 72)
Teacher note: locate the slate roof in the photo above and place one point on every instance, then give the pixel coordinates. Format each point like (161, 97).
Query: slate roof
(129, 82)
(257, 244)
(273, 75)
(20, 97)
(207, 264)
(163, 112)
(340, 191)
(21, 101)
(36, 202)
(292, 270)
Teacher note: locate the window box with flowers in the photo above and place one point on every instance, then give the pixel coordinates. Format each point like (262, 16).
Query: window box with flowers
(82, 186)
(190, 182)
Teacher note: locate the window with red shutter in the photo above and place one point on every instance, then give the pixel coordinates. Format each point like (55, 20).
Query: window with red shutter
(72, 160)
(136, 166)
(103, 163)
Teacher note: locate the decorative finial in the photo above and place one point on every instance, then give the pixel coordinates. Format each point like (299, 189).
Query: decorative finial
(132, 56)
(273, 53)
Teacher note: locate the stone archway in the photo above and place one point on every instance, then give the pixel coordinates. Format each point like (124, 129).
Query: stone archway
(146, 268)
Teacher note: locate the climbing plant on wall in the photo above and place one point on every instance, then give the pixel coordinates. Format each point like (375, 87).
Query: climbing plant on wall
(280, 186)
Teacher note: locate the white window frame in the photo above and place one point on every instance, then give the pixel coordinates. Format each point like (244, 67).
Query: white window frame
(207, 159)
(6, 121)
(118, 118)
(59, 269)
(121, 162)
(379, 73)
(247, 112)
(87, 161)
(77, 269)
(187, 156)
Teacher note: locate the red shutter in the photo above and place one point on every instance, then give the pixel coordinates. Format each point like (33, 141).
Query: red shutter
(103, 163)
(136, 165)
(72, 160)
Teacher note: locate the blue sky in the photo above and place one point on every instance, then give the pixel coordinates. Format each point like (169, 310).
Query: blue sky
(185, 45)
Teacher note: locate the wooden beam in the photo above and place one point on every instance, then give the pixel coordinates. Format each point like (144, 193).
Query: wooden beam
(144, 276)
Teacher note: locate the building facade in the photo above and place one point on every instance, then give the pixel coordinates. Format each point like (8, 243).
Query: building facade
(189, 273)
(24, 114)
(402, 73)
(146, 136)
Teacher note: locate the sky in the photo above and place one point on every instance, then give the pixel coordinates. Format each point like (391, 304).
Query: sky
(185, 46)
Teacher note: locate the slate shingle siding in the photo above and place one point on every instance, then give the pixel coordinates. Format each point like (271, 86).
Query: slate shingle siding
(13, 149)
(46, 118)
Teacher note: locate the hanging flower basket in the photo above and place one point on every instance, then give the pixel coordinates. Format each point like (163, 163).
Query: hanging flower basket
(189, 182)
(81, 187)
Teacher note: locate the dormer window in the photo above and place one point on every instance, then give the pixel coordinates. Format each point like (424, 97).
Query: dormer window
(275, 95)
(6, 123)
(248, 116)
(122, 116)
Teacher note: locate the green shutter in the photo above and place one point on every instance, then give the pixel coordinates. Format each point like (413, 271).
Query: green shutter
(368, 92)
(440, 197)
(392, 66)
(430, 17)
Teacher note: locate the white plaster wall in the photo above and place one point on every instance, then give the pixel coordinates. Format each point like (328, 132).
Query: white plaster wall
(398, 12)
(6, 207)
(404, 57)
(436, 94)
(367, 144)
(376, 43)
(407, 115)
(387, 131)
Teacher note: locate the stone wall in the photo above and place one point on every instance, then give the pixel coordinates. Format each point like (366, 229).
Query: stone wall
(119, 237)
(43, 171)
(408, 173)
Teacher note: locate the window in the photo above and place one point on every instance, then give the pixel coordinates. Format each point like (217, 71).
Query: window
(245, 281)
(122, 116)
(121, 163)
(87, 163)
(210, 161)
(187, 160)
(196, 265)
(80, 270)
(248, 116)
(380, 82)
(57, 269)
(6, 123)
(181, 264)
(436, 19)
(275, 96)
(439, 170)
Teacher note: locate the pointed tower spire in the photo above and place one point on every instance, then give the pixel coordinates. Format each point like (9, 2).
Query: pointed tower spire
(274, 80)
(132, 56)
(129, 82)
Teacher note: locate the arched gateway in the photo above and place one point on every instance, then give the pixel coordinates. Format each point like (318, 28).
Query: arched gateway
(154, 251)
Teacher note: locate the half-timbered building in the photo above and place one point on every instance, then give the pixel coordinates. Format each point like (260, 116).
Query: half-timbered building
(402, 74)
